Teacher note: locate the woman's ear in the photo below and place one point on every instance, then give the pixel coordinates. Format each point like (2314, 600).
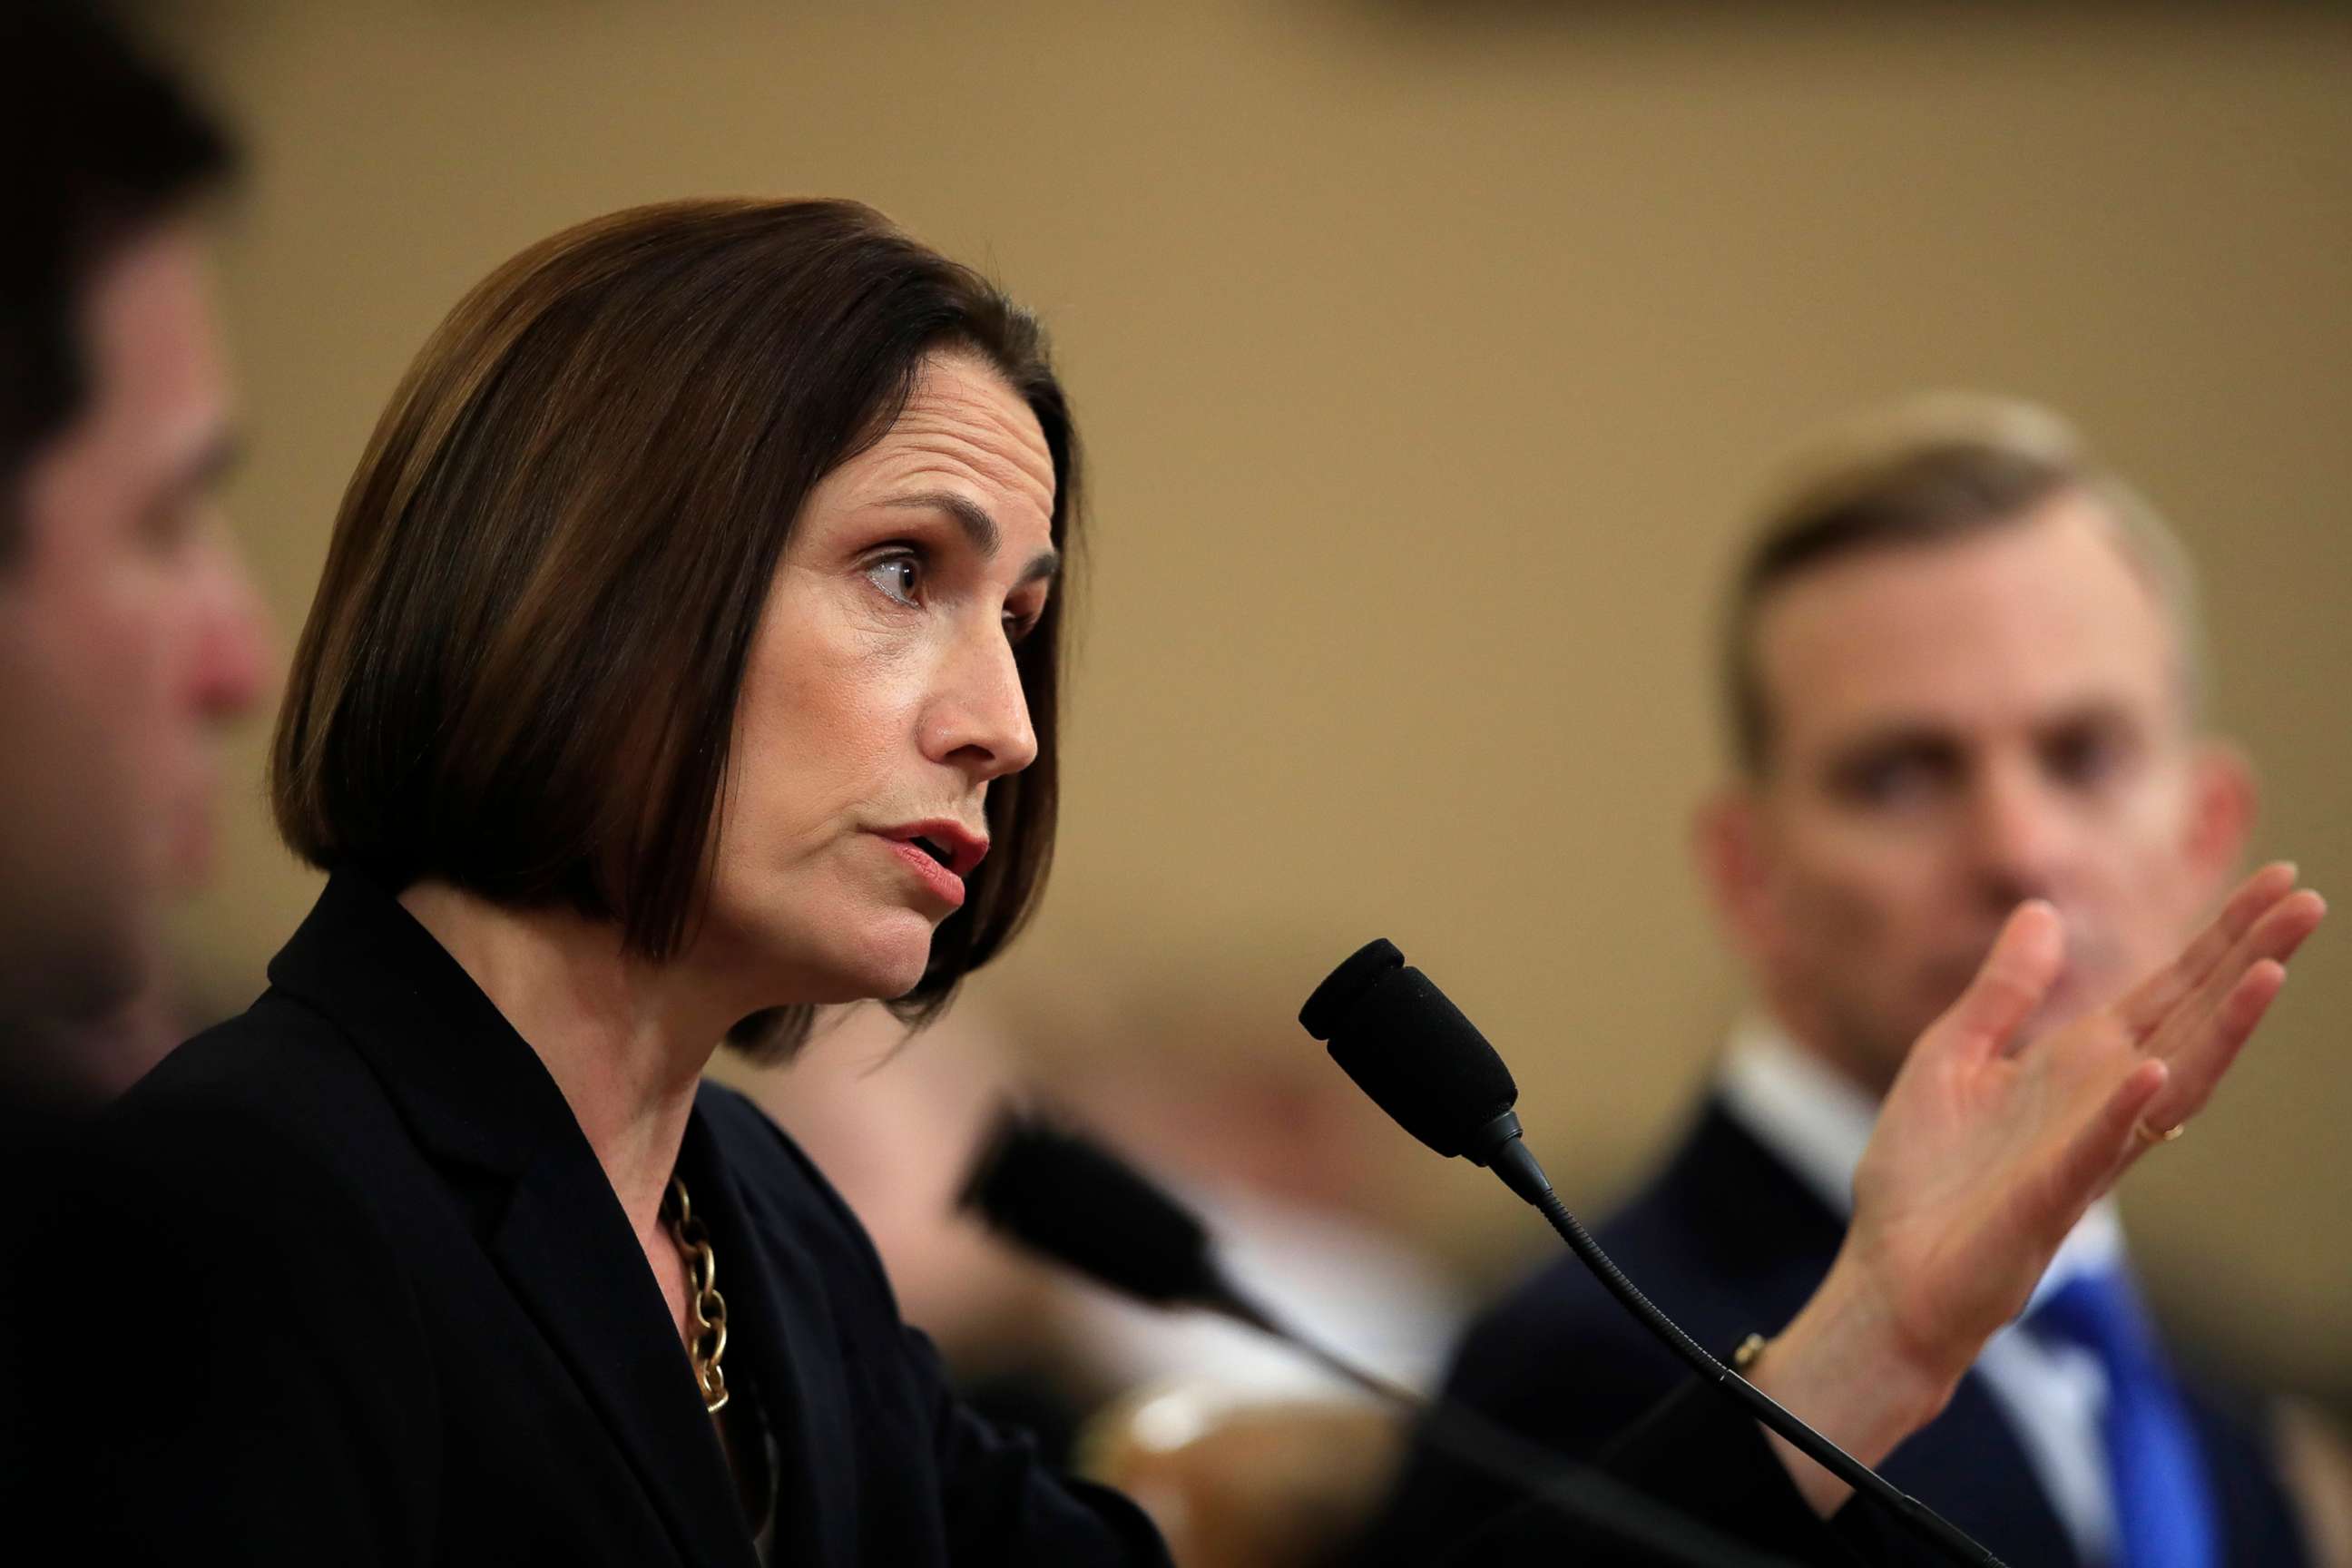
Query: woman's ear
(2222, 799)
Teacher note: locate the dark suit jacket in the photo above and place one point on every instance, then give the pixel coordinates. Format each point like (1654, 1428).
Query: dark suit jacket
(1729, 1241)
(343, 1282)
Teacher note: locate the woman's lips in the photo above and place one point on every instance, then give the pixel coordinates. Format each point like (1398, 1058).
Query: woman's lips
(943, 883)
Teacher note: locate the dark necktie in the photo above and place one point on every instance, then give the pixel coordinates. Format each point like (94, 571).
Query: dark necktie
(2164, 1501)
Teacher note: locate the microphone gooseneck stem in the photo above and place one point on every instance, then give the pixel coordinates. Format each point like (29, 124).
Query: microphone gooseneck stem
(1590, 1498)
(1228, 1302)
(1516, 1164)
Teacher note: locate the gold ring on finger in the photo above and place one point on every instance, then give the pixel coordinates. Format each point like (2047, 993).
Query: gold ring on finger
(2151, 1137)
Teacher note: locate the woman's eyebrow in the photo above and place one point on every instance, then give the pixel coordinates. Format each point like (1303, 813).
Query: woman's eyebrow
(978, 527)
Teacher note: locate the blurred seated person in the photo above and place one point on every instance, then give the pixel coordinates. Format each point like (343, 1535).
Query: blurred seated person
(129, 634)
(1961, 671)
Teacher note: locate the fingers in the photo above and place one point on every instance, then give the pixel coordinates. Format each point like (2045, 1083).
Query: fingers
(2199, 1068)
(2010, 985)
(2152, 1000)
(2273, 939)
(2095, 1155)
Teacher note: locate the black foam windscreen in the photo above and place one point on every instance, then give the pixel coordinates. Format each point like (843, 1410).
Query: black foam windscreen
(1394, 1032)
(1345, 986)
(1061, 1195)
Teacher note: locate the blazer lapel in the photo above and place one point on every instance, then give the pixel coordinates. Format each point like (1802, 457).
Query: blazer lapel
(480, 1103)
(566, 1247)
(778, 1304)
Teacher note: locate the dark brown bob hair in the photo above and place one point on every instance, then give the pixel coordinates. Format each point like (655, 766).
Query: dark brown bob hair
(521, 670)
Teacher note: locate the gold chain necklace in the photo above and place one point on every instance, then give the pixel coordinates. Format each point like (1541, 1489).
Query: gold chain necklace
(703, 1302)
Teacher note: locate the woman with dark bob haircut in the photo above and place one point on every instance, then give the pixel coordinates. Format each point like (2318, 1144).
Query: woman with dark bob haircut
(685, 658)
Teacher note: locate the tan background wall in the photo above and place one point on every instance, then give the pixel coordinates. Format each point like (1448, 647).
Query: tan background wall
(1426, 354)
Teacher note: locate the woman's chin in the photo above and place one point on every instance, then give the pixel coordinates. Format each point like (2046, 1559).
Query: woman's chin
(885, 969)
(846, 960)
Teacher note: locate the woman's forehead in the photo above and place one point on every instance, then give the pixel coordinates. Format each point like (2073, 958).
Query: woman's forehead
(964, 425)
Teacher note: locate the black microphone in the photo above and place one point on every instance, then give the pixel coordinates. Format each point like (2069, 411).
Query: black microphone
(1058, 1193)
(1066, 1197)
(1412, 1051)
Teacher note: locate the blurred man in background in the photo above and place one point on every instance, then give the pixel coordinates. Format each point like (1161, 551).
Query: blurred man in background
(1961, 669)
(128, 631)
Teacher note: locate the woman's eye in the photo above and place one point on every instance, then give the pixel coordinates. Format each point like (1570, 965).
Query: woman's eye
(1017, 628)
(898, 576)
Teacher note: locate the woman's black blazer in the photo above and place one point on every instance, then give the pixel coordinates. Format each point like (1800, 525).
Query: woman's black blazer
(342, 1281)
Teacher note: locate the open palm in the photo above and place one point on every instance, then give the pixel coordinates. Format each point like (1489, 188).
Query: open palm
(1989, 1147)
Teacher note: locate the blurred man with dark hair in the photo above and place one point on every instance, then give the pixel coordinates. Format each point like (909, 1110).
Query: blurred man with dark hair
(1962, 670)
(128, 631)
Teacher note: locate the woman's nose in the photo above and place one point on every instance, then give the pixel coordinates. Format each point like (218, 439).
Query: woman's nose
(980, 720)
